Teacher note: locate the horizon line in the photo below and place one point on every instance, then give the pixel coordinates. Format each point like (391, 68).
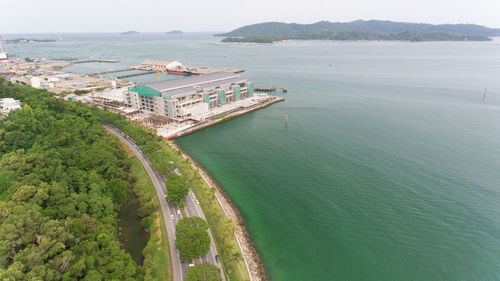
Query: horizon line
(285, 22)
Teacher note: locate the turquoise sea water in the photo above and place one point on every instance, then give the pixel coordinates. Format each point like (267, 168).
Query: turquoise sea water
(388, 168)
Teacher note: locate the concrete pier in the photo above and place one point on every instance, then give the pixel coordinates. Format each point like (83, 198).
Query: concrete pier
(97, 60)
(200, 70)
(113, 71)
(211, 122)
(135, 74)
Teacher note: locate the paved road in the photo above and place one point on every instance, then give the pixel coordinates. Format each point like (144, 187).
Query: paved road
(171, 214)
(160, 192)
(194, 210)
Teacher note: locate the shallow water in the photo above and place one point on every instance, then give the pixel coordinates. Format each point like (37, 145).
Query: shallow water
(131, 233)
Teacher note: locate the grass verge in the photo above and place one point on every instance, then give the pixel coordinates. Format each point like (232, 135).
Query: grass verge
(157, 263)
(222, 228)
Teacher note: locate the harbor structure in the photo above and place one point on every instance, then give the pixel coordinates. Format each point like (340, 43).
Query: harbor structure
(170, 66)
(175, 67)
(189, 98)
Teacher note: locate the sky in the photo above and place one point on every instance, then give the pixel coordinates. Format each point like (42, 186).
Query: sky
(52, 16)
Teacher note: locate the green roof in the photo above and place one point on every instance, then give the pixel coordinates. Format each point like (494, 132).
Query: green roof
(145, 91)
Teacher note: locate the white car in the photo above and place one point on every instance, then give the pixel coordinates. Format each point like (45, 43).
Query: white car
(179, 212)
(172, 216)
(197, 202)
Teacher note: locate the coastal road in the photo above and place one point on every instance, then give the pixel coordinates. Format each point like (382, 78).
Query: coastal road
(166, 210)
(171, 214)
(193, 209)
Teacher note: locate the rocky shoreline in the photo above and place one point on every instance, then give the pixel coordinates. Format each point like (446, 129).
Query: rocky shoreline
(250, 255)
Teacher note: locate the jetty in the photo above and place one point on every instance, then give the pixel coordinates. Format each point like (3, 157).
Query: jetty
(270, 89)
(135, 74)
(113, 71)
(97, 60)
(64, 59)
(201, 70)
(225, 117)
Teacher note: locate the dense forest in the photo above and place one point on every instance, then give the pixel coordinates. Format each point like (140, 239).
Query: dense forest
(359, 30)
(278, 29)
(62, 179)
(413, 36)
(250, 39)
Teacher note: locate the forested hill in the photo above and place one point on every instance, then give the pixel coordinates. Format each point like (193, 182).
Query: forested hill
(363, 30)
(280, 29)
(61, 180)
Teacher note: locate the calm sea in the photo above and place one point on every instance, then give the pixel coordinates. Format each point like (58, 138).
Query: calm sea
(388, 168)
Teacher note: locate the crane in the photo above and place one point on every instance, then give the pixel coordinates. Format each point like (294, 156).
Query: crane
(158, 73)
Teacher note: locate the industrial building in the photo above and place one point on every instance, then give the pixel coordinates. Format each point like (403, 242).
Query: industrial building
(188, 98)
(112, 98)
(163, 64)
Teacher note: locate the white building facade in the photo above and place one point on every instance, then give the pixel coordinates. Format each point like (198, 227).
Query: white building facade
(185, 98)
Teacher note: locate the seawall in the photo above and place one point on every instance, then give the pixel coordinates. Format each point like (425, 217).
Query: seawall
(213, 122)
(247, 247)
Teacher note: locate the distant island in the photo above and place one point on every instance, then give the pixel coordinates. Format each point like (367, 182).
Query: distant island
(25, 40)
(129, 32)
(174, 32)
(270, 32)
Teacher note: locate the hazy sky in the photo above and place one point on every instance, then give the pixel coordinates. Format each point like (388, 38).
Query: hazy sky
(224, 15)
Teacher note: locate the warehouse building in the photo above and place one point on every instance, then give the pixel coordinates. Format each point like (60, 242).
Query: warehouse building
(163, 64)
(185, 98)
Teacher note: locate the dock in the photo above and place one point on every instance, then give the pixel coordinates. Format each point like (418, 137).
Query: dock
(212, 122)
(151, 66)
(135, 74)
(63, 59)
(200, 70)
(97, 60)
(270, 89)
(113, 71)
(263, 89)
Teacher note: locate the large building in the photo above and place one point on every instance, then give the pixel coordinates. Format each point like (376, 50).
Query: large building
(184, 98)
(163, 64)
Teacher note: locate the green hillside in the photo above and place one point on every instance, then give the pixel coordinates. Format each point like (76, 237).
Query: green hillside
(360, 30)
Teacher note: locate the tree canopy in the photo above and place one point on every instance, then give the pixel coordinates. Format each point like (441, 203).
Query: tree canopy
(203, 272)
(294, 30)
(177, 188)
(192, 238)
(61, 180)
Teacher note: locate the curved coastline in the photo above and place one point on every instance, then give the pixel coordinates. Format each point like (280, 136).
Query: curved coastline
(247, 247)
